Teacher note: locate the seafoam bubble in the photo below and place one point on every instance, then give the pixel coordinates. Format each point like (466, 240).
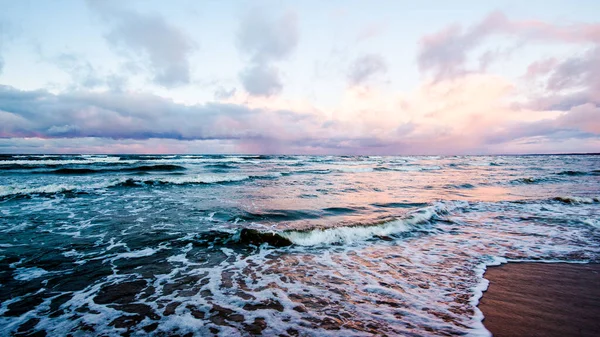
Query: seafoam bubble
(47, 189)
(27, 274)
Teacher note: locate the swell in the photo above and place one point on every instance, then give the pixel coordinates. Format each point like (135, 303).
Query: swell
(530, 181)
(553, 177)
(579, 173)
(329, 236)
(53, 189)
(187, 180)
(293, 215)
(407, 168)
(135, 169)
(347, 234)
(360, 232)
(46, 190)
(573, 200)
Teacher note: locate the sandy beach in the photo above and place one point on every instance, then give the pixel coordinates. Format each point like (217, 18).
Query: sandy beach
(542, 299)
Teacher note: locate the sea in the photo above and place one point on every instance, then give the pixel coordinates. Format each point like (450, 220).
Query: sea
(240, 245)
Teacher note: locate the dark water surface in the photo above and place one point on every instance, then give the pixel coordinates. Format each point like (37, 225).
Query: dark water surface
(278, 245)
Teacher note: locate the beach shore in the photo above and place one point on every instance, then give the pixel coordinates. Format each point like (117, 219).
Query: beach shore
(542, 299)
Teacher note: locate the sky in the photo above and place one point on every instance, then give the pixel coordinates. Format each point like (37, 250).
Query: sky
(300, 77)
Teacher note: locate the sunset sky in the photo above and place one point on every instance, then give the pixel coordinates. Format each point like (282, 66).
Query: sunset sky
(300, 77)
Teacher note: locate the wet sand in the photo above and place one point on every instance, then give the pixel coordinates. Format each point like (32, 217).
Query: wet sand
(542, 299)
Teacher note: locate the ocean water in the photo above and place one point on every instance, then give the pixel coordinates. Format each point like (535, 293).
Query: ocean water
(278, 245)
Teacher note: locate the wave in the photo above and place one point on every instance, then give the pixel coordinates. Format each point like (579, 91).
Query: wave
(315, 171)
(154, 168)
(71, 171)
(579, 173)
(325, 236)
(354, 169)
(408, 168)
(577, 200)
(6, 191)
(53, 189)
(188, 180)
(28, 163)
(464, 186)
(353, 233)
(221, 166)
(529, 180)
(572, 173)
(400, 204)
(143, 168)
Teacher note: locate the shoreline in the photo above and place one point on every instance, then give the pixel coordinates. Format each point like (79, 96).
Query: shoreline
(542, 299)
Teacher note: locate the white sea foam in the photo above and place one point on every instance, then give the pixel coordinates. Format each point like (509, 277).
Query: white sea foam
(349, 234)
(355, 169)
(592, 222)
(47, 189)
(202, 179)
(9, 190)
(412, 168)
(85, 161)
(28, 274)
(136, 253)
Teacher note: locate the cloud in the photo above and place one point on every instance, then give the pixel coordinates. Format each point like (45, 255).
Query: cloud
(164, 47)
(265, 39)
(84, 75)
(365, 68)
(5, 35)
(222, 94)
(122, 115)
(445, 53)
(464, 111)
(261, 80)
(567, 83)
(467, 115)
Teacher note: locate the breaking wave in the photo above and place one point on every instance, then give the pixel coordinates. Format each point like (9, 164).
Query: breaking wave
(143, 168)
(577, 200)
(8, 191)
(338, 235)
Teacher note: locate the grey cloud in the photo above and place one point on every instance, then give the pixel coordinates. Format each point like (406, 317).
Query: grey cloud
(365, 68)
(261, 80)
(568, 83)
(139, 117)
(222, 93)
(576, 72)
(121, 115)
(445, 53)
(127, 117)
(4, 37)
(265, 39)
(83, 74)
(166, 48)
(268, 38)
(579, 122)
